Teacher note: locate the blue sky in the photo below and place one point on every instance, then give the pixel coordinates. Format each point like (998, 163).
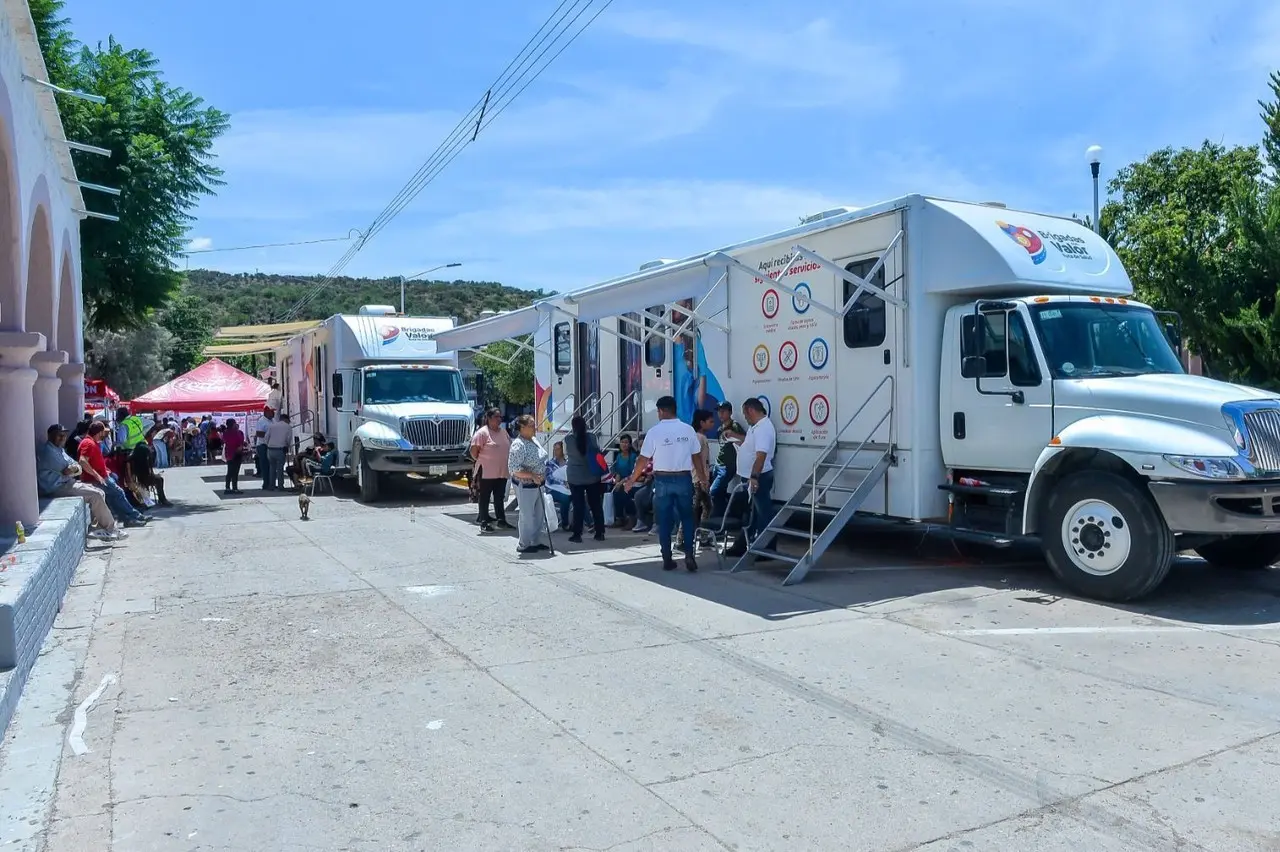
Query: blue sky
(672, 128)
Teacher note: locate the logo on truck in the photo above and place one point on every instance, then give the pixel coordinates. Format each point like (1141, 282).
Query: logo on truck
(1026, 238)
(390, 334)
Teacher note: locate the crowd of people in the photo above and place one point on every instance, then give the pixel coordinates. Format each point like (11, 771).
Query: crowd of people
(113, 471)
(671, 482)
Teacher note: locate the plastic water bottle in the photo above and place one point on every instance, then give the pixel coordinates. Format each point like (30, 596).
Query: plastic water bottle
(22, 533)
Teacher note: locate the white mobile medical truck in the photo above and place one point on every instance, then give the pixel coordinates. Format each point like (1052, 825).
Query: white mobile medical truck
(376, 386)
(935, 361)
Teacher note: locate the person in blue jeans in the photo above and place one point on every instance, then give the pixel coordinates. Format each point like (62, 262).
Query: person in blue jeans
(726, 467)
(675, 451)
(558, 484)
(624, 464)
(755, 466)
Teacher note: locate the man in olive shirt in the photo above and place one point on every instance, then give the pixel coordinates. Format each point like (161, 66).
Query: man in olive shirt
(731, 434)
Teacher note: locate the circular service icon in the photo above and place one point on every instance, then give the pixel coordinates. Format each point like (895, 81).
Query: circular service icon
(770, 303)
(818, 354)
(800, 304)
(768, 406)
(760, 358)
(788, 356)
(819, 409)
(790, 410)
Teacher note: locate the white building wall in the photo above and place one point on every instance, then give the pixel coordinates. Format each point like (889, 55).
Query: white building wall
(41, 326)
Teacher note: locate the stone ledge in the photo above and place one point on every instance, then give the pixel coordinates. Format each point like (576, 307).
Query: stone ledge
(32, 586)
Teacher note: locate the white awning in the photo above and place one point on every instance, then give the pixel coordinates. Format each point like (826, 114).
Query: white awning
(504, 326)
(661, 285)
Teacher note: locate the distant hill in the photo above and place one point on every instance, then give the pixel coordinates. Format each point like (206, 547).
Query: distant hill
(251, 299)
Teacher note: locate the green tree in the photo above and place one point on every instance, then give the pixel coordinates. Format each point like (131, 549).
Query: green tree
(513, 381)
(190, 321)
(1174, 222)
(160, 137)
(133, 361)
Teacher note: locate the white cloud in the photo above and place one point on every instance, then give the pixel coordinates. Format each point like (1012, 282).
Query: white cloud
(796, 66)
(200, 244)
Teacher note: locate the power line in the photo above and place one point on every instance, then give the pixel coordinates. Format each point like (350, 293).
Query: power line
(269, 245)
(486, 110)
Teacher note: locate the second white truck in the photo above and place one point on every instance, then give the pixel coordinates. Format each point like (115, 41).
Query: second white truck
(375, 384)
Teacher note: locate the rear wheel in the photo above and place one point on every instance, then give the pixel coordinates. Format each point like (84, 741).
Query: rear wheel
(367, 478)
(1104, 537)
(1243, 552)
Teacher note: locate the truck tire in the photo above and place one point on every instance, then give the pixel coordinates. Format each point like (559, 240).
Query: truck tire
(1243, 552)
(1104, 538)
(367, 478)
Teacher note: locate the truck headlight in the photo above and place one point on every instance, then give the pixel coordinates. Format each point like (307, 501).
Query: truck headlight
(1208, 467)
(382, 443)
(1236, 435)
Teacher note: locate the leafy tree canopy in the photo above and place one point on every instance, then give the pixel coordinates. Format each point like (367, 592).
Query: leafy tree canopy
(509, 371)
(1198, 229)
(160, 137)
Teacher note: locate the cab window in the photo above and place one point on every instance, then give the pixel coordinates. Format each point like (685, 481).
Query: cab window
(1006, 346)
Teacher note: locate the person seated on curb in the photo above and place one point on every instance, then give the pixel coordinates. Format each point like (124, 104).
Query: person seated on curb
(93, 471)
(56, 474)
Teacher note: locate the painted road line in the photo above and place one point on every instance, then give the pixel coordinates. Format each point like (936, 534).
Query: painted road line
(1066, 631)
(76, 738)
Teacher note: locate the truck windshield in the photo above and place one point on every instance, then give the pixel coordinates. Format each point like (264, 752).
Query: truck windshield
(1085, 340)
(388, 387)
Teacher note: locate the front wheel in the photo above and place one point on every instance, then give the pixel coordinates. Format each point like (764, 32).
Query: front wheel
(1104, 537)
(1243, 552)
(367, 478)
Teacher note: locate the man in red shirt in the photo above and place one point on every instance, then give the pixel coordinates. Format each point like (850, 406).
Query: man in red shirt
(94, 471)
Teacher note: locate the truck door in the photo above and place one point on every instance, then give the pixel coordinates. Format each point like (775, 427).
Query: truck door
(562, 398)
(1002, 419)
(868, 338)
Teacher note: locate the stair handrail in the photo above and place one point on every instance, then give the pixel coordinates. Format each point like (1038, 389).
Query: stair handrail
(623, 427)
(556, 428)
(815, 496)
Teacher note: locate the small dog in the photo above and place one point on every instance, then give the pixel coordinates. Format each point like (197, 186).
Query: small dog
(304, 504)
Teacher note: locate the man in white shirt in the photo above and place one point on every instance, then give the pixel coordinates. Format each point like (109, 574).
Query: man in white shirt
(755, 466)
(676, 452)
(279, 434)
(261, 464)
(275, 399)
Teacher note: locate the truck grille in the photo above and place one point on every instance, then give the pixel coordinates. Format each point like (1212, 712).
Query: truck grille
(437, 433)
(1263, 428)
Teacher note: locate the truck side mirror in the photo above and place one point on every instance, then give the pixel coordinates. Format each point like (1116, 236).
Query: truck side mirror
(973, 367)
(337, 403)
(1175, 339)
(336, 384)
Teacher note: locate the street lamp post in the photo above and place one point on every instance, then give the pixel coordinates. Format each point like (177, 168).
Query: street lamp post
(1094, 152)
(404, 278)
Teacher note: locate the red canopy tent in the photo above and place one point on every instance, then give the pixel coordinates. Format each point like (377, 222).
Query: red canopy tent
(213, 386)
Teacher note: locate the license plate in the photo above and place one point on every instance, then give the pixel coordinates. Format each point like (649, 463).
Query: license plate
(437, 469)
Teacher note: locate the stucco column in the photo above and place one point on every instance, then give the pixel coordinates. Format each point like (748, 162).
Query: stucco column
(71, 394)
(19, 500)
(45, 398)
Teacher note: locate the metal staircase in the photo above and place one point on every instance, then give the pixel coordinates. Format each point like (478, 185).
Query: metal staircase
(825, 485)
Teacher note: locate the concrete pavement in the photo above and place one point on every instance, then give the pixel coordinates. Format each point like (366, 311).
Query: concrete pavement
(381, 678)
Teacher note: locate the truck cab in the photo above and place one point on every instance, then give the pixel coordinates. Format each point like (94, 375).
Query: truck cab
(1071, 419)
(406, 418)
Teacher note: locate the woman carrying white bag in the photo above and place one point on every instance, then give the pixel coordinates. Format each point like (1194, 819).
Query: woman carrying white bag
(528, 464)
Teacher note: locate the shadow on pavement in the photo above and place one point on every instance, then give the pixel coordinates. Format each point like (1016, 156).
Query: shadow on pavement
(873, 566)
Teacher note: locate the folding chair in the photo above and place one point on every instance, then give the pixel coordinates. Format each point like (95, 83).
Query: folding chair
(736, 515)
(317, 477)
